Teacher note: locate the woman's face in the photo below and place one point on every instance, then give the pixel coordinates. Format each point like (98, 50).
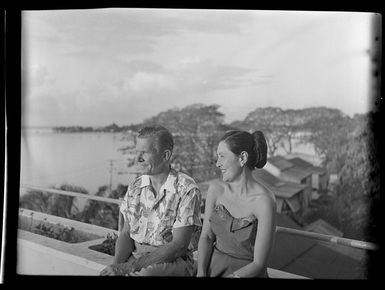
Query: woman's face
(228, 162)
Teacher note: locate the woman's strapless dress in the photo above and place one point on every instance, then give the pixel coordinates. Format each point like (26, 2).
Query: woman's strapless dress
(234, 246)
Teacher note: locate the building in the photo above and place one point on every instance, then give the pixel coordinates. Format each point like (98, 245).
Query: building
(315, 259)
(290, 197)
(320, 177)
(322, 227)
(287, 171)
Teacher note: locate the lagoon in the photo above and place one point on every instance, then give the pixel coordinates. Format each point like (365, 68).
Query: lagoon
(88, 160)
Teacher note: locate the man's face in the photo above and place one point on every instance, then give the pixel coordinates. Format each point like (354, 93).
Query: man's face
(148, 160)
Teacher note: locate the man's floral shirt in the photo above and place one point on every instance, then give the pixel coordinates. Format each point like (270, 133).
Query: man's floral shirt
(153, 217)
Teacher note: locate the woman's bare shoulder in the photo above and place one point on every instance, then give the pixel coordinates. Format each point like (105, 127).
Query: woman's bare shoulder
(216, 187)
(262, 197)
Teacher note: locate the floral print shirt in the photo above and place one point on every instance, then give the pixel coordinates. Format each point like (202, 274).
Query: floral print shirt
(153, 217)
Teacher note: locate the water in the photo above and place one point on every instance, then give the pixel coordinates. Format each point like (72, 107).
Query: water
(80, 159)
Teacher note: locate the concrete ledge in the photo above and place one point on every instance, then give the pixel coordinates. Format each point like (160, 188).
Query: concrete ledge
(277, 274)
(41, 255)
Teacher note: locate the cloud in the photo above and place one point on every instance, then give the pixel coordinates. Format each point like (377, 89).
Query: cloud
(144, 81)
(202, 75)
(125, 31)
(38, 76)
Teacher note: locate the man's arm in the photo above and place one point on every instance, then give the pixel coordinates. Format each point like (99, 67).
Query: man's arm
(124, 244)
(123, 249)
(187, 219)
(168, 252)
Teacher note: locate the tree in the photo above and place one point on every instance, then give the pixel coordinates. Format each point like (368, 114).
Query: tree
(196, 130)
(34, 200)
(327, 131)
(62, 205)
(269, 121)
(346, 150)
(101, 213)
(55, 204)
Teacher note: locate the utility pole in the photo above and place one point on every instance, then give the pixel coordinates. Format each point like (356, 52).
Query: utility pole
(111, 169)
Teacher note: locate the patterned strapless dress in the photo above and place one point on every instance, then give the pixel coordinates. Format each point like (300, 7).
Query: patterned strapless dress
(234, 246)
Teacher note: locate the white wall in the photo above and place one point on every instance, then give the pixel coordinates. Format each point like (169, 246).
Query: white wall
(35, 259)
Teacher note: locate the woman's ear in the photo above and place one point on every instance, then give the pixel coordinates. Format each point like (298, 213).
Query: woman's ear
(243, 157)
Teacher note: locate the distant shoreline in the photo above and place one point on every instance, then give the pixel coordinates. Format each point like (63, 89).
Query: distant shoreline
(113, 128)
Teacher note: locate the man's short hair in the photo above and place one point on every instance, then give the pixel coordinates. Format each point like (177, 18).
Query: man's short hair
(163, 137)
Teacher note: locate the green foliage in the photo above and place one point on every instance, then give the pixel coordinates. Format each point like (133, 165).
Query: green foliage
(58, 232)
(59, 205)
(107, 246)
(344, 144)
(101, 213)
(196, 130)
(35, 200)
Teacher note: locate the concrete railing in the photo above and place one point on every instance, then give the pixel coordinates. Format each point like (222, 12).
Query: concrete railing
(322, 237)
(33, 247)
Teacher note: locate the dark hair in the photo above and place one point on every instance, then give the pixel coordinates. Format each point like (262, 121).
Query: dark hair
(163, 137)
(254, 144)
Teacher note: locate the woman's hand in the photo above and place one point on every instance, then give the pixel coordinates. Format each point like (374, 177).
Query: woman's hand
(233, 275)
(112, 270)
(201, 274)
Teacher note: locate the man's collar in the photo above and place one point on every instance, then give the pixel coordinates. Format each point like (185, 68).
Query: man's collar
(169, 184)
(145, 181)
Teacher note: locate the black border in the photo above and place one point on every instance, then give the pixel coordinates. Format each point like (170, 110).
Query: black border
(12, 92)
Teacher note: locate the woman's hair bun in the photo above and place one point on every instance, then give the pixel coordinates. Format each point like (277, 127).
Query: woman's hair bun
(260, 149)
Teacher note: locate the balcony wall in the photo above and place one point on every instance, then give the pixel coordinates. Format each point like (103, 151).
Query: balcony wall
(41, 255)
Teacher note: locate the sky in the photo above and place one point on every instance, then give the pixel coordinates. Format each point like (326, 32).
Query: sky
(95, 67)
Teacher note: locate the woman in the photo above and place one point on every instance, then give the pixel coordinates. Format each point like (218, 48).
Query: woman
(239, 220)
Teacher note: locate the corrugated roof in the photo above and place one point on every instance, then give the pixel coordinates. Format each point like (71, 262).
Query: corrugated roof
(279, 187)
(322, 227)
(318, 170)
(296, 173)
(280, 162)
(324, 262)
(314, 259)
(299, 162)
(313, 159)
(286, 247)
(267, 177)
(289, 189)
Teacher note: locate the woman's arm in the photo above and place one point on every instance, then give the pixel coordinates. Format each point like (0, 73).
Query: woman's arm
(265, 211)
(207, 238)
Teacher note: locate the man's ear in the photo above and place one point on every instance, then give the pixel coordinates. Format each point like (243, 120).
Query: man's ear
(167, 154)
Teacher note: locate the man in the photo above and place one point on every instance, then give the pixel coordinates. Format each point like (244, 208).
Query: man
(161, 212)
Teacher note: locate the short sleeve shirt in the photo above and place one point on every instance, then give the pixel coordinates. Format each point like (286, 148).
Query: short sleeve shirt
(153, 217)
